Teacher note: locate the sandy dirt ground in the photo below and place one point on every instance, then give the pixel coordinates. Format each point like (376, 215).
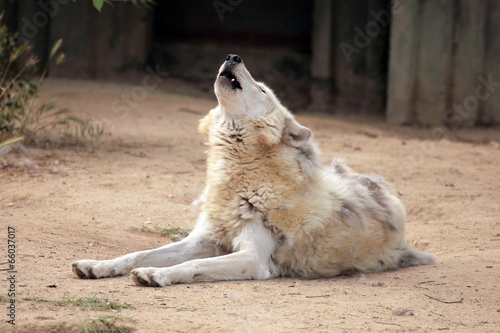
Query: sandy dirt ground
(67, 204)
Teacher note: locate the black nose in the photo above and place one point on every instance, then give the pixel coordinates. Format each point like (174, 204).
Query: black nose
(233, 59)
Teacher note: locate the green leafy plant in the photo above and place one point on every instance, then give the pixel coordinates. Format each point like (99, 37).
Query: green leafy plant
(106, 324)
(90, 303)
(84, 131)
(23, 117)
(19, 115)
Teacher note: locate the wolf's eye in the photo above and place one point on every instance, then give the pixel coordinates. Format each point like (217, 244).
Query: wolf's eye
(263, 91)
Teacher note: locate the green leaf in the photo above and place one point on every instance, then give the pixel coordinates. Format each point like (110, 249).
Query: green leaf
(11, 141)
(56, 47)
(98, 4)
(60, 58)
(75, 119)
(61, 111)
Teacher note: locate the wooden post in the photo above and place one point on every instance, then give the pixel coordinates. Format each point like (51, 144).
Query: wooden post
(491, 114)
(434, 62)
(321, 64)
(468, 61)
(403, 63)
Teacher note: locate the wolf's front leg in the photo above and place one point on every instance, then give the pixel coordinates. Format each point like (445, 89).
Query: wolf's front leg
(194, 246)
(251, 261)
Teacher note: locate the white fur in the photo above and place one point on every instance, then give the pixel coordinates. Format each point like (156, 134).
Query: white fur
(269, 209)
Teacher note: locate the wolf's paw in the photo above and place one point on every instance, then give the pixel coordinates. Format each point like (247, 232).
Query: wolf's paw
(150, 277)
(94, 269)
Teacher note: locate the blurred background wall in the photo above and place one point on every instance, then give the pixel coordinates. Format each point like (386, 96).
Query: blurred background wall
(414, 62)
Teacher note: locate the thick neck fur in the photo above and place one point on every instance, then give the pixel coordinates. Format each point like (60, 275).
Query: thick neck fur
(246, 160)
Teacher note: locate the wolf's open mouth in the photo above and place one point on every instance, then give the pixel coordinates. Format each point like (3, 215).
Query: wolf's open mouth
(235, 84)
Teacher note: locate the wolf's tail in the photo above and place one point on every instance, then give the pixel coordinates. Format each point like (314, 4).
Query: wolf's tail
(412, 257)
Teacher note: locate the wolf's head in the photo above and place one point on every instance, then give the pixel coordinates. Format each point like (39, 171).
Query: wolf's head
(241, 97)
(239, 94)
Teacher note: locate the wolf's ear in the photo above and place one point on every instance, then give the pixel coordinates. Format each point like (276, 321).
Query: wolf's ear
(294, 134)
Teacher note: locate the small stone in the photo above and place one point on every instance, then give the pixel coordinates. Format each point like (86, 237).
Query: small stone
(402, 312)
